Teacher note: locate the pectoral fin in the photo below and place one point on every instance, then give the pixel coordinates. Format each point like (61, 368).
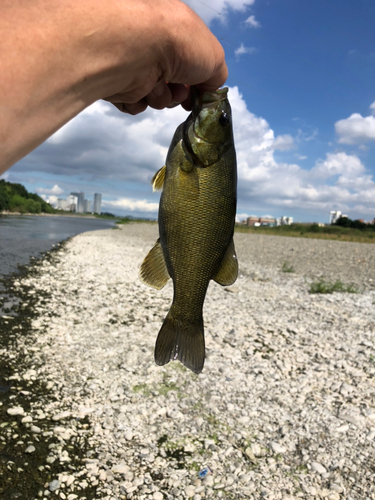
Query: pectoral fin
(158, 179)
(227, 274)
(154, 271)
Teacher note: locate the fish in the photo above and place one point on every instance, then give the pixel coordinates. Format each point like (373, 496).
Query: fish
(196, 220)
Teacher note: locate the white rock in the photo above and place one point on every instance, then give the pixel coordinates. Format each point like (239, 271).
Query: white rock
(190, 491)
(158, 495)
(277, 448)
(30, 449)
(120, 468)
(61, 416)
(54, 485)
(17, 410)
(317, 467)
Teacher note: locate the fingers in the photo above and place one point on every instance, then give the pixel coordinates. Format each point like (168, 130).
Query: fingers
(130, 109)
(163, 95)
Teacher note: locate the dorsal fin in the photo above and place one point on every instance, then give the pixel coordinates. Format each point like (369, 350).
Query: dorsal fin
(158, 179)
(228, 271)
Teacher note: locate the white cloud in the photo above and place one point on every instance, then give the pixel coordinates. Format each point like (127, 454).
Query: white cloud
(244, 50)
(133, 205)
(217, 9)
(338, 164)
(56, 190)
(251, 21)
(284, 142)
(50, 199)
(357, 128)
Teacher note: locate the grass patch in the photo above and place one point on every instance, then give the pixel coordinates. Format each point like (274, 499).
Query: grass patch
(287, 268)
(323, 286)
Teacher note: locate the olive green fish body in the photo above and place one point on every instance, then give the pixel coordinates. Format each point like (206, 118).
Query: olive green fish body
(196, 223)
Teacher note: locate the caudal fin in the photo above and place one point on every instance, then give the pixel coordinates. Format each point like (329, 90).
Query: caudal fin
(182, 341)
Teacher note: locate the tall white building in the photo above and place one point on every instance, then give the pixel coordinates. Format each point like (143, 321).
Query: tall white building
(87, 206)
(97, 203)
(334, 215)
(80, 208)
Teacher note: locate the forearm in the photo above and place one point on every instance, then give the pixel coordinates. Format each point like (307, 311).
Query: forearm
(56, 60)
(60, 56)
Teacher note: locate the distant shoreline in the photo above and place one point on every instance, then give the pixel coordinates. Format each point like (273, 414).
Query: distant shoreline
(68, 214)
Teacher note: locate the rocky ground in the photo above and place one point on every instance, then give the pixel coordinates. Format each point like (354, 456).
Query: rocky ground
(284, 408)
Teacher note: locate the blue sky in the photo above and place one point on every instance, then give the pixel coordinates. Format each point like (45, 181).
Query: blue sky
(302, 89)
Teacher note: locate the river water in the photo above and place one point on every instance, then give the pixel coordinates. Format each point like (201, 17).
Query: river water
(23, 237)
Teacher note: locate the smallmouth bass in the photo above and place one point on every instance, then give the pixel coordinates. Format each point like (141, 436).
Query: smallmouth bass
(196, 223)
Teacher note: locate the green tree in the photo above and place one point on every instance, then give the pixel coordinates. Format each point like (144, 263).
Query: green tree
(18, 204)
(4, 199)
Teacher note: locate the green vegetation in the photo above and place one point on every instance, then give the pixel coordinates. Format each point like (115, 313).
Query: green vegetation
(287, 268)
(333, 232)
(323, 286)
(16, 198)
(354, 224)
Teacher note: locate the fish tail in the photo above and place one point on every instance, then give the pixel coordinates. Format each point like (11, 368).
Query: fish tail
(181, 340)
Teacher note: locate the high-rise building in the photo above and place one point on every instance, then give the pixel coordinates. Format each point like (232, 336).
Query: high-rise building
(87, 206)
(80, 202)
(97, 203)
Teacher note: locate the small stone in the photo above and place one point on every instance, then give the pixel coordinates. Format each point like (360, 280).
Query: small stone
(54, 485)
(190, 491)
(128, 435)
(17, 410)
(27, 419)
(317, 467)
(61, 416)
(120, 469)
(277, 448)
(336, 487)
(343, 428)
(371, 435)
(250, 455)
(35, 429)
(208, 481)
(158, 495)
(30, 449)
(333, 496)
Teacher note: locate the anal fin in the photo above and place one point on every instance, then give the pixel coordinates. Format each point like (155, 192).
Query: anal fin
(228, 271)
(154, 270)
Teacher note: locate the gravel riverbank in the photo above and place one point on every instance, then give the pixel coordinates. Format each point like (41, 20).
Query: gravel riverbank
(284, 408)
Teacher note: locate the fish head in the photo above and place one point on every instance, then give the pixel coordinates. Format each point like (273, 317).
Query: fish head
(208, 130)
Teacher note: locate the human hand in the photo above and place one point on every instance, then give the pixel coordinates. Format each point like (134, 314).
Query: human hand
(193, 57)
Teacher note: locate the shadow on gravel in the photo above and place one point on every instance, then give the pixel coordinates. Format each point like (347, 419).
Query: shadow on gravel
(28, 464)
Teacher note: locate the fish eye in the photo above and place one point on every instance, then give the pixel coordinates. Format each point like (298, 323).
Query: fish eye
(224, 119)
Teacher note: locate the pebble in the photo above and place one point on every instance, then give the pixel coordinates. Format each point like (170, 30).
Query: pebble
(17, 410)
(190, 491)
(30, 449)
(278, 449)
(54, 485)
(157, 495)
(317, 467)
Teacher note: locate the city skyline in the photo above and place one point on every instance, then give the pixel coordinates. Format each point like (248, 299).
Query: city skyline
(76, 202)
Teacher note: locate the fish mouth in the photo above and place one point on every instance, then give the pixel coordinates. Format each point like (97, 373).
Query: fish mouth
(202, 100)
